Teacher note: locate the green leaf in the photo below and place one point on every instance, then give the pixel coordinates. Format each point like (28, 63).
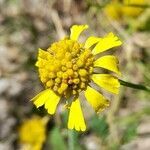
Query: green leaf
(73, 140)
(65, 118)
(100, 126)
(130, 132)
(56, 140)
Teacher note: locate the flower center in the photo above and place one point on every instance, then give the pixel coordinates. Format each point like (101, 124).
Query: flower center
(67, 67)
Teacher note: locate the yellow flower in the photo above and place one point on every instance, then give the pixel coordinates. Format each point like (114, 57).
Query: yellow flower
(113, 10)
(66, 69)
(117, 11)
(32, 133)
(133, 11)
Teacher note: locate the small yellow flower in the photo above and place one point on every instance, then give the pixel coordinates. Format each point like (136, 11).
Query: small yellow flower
(32, 133)
(117, 11)
(66, 69)
(133, 11)
(113, 10)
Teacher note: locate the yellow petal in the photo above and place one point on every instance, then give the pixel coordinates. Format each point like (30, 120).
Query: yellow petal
(106, 43)
(76, 31)
(108, 82)
(42, 55)
(52, 103)
(91, 41)
(108, 62)
(76, 119)
(97, 100)
(40, 99)
(47, 98)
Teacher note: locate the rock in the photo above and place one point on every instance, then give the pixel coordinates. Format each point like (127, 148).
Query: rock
(92, 142)
(4, 109)
(144, 127)
(138, 144)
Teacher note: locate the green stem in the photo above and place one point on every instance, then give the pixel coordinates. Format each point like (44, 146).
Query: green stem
(134, 86)
(70, 140)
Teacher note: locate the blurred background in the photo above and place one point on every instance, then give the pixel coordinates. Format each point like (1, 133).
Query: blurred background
(26, 25)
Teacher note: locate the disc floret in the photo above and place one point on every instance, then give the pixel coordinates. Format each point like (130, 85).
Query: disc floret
(66, 67)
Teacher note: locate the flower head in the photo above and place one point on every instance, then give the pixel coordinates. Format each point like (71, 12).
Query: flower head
(133, 11)
(114, 10)
(32, 133)
(67, 68)
(117, 11)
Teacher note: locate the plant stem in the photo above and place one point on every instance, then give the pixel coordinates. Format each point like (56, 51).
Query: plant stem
(134, 86)
(70, 140)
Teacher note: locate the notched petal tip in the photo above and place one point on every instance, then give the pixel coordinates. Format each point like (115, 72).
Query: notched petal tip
(108, 62)
(83, 129)
(39, 100)
(80, 27)
(76, 31)
(106, 43)
(76, 119)
(114, 37)
(103, 107)
(96, 99)
(92, 40)
(47, 98)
